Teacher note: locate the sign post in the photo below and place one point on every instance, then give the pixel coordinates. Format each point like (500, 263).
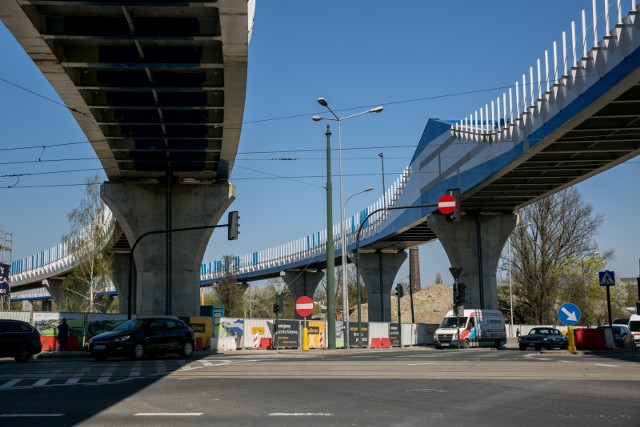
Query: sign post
(608, 279)
(304, 308)
(569, 314)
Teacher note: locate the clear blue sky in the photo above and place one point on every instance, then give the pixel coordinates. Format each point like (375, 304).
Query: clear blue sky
(418, 59)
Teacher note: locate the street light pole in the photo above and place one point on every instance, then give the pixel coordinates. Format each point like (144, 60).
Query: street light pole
(345, 293)
(324, 103)
(331, 284)
(384, 188)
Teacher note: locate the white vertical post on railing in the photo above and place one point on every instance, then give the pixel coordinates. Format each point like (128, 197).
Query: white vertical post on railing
(573, 43)
(517, 100)
(539, 80)
(555, 63)
(584, 33)
(619, 12)
(476, 122)
(607, 28)
(546, 68)
(492, 123)
(511, 105)
(481, 120)
(564, 53)
(499, 116)
(504, 108)
(486, 115)
(595, 24)
(524, 93)
(531, 92)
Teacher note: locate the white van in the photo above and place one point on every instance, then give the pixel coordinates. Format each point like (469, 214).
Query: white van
(634, 327)
(478, 328)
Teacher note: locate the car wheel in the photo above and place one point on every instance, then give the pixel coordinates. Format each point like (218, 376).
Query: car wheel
(497, 344)
(23, 354)
(99, 356)
(438, 347)
(537, 347)
(465, 344)
(523, 347)
(138, 351)
(187, 349)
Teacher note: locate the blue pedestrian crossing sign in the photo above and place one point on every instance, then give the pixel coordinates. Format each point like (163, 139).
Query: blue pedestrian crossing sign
(569, 314)
(607, 278)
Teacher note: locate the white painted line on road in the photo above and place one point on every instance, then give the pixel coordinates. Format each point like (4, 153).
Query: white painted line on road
(604, 364)
(29, 415)
(41, 382)
(11, 383)
(168, 414)
(301, 414)
(421, 363)
(73, 380)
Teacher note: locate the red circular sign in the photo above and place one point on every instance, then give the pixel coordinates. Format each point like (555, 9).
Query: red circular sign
(304, 306)
(446, 204)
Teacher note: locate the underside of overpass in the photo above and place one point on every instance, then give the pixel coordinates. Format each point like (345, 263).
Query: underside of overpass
(158, 88)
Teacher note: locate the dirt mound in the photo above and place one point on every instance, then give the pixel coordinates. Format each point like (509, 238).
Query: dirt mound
(429, 306)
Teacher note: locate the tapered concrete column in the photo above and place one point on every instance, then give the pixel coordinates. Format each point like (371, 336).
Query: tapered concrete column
(477, 258)
(378, 271)
(302, 283)
(141, 208)
(55, 289)
(120, 278)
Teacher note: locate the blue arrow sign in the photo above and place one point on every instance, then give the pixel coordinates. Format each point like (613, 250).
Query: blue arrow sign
(607, 278)
(569, 314)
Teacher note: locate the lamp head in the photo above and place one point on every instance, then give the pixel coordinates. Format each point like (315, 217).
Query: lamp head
(323, 102)
(377, 109)
(316, 118)
(367, 189)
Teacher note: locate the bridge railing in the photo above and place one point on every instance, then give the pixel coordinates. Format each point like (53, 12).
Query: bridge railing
(500, 119)
(311, 246)
(55, 260)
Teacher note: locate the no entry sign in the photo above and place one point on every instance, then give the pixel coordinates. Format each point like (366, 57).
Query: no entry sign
(446, 204)
(304, 306)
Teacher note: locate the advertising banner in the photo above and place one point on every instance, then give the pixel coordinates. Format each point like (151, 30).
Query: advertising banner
(355, 336)
(4, 280)
(394, 335)
(316, 334)
(288, 334)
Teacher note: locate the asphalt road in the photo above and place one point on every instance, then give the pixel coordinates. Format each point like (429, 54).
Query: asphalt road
(407, 387)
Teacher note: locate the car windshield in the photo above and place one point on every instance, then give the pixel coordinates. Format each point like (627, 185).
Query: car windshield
(129, 325)
(451, 322)
(634, 325)
(539, 331)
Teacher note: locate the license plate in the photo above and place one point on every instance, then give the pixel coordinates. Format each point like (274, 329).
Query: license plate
(99, 347)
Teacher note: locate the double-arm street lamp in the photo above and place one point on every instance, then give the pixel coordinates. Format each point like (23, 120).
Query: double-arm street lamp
(331, 280)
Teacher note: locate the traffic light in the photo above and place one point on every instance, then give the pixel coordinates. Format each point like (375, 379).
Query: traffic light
(276, 308)
(233, 226)
(399, 291)
(462, 293)
(455, 215)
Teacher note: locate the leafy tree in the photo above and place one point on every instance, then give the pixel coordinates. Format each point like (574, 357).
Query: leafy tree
(228, 293)
(549, 251)
(88, 241)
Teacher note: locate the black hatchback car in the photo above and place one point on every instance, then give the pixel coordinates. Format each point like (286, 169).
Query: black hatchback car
(19, 340)
(543, 337)
(149, 337)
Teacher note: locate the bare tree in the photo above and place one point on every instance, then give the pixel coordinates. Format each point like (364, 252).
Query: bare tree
(88, 242)
(555, 232)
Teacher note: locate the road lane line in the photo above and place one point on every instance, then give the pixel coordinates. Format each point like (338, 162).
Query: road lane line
(29, 415)
(11, 383)
(604, 364)
(301, 414)
(168, 414)
(41, 382)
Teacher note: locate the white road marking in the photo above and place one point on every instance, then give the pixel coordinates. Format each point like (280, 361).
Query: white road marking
(41, 382)
(30, 415)
(421, 363)
(300, 414)
(604, 364)
(168, 414)
(11, 383)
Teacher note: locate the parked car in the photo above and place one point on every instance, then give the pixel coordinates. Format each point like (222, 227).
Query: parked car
(622, 321)
(149, 337)
(543, 337)
(19, 340)
(622, 336)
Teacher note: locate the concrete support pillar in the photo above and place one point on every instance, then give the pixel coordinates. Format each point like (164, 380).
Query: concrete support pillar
(478, 258)
(47, 305)
(141, 208)
(55, 288)
(378, 271)
(120, 278)
(302, 283)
